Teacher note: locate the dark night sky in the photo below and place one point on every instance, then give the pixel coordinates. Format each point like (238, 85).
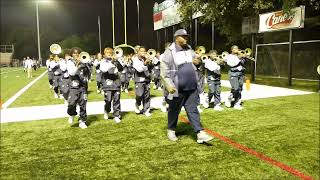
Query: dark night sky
(80, 17)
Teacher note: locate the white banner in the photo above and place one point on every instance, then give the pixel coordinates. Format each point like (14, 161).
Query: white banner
(279, 20)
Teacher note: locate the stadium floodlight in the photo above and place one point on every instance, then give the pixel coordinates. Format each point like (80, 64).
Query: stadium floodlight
(38, 31)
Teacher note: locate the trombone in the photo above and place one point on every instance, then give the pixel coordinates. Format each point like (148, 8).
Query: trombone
(246, 53)
(55, 49)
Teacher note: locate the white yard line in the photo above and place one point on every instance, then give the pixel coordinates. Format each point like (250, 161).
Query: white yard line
(11, 71)
(19, 93)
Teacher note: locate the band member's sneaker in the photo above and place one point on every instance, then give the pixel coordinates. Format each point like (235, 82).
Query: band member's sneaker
(203, 137)
(61, 96)
(98, 91)
(218, 108)
(105, 116)
(50, 86)
(66, 102)
(238, 107)
(117, 120)
(56, 96)
(102, 92)
(205, 105)
(82, 125)
(154, 87)
(147, 113)
(199, 109)
(126, 91)
(172, 135)
(136, 109)
(70, 120)
(227, 104)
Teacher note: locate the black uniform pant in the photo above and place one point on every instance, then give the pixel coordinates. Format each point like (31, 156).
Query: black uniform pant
(65, 87)
(187, 99)
(143, 95)
(78, 96)
(214, 91)
(98, 79)
(236, 87)
(57, 80)
(112, 96)
(50, 77)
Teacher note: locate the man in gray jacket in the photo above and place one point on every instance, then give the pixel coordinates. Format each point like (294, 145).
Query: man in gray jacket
(180, 80)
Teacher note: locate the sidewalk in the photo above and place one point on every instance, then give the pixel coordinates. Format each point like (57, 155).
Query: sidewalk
(60, 111)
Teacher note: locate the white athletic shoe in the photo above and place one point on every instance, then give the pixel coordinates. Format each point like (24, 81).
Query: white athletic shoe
(172, 135)
(238, 107)
(203, 137)
(183, 109)
(205, 105)
(147, 113)
(126, 91)
(218, 108)
(105, 116)
(159, 89)
(227, 104)
(56, 96)
(117, 120)
(66, 102)
(98, 91)
(50, 86)
(82, 125)
(61, 96)
(199, 109)
(70, 120)
(137, 110)
(102, 92)
(154, 87)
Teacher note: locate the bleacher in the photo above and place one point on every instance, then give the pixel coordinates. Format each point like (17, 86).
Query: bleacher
(6, 54)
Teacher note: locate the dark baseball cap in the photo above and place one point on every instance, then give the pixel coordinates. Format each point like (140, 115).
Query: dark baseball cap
(181, 32)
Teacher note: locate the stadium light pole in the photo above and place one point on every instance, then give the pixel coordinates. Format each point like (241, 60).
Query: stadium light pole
(38, 31)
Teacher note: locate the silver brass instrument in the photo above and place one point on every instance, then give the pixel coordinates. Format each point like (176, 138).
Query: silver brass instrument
(118, 52)
(55, 49)
(84, 57)
(246, 53)
(151, 53)
(202, 50)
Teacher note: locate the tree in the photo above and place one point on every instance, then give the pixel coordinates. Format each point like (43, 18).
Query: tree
(227, 14)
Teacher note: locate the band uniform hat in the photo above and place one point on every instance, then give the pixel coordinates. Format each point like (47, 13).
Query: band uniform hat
(181, 32)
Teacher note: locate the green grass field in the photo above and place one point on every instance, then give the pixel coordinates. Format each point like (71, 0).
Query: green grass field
(286, 129)
(14, 79)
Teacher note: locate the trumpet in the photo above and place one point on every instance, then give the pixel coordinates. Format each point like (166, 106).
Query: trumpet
(246, 53)
(55, 49)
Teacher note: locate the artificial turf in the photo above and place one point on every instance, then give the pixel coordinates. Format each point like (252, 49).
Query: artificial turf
(284, 128)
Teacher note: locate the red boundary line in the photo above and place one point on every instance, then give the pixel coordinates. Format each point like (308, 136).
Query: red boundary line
(254, 153)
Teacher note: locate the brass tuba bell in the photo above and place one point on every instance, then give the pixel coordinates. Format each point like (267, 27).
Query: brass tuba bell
(55, 49)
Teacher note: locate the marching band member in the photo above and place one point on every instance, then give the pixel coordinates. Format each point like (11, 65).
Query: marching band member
(57, 76)
(125, 62)
(78, 88)
(236, 77)
(98, 71)
(214, 80)
(65, 80)
(110, 78)
(180, 81)
(50, 73)
(201, 74)
(142, 77)
(28, 66)
(156, 71)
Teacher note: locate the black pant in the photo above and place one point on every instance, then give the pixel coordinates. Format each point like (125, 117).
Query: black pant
(189, 101)
(236, 87)
(109, 96)
(77, 96)
(143, 95)
(214, 91)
